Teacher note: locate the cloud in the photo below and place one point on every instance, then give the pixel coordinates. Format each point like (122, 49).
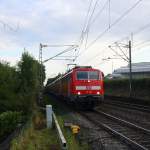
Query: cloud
(61, 21)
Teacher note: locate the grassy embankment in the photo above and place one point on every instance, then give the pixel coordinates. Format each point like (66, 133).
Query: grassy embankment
(120, 87)
(63, 114)
(36, 136)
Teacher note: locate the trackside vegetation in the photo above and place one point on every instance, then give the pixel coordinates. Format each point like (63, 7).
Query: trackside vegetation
(35, 136)
(19, 86)
(8, 122)
(120, 87)
(63, 113)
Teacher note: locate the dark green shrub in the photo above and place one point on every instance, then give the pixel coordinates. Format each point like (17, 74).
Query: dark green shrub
(120, 87)
(8, 122)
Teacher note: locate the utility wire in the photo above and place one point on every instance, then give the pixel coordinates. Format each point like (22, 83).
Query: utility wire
(5, 25)
(100, 12)
(144, 45)
(120, 18)
(87, 29)
(135, 32)
(64, 51)
(93, 11)
(114, 23)
(135, 46)
(95, 56)
(92, 21)
(85, 23)
(84, 28)
(109, 17)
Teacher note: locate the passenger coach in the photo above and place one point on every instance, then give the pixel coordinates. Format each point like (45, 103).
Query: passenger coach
(81, 86)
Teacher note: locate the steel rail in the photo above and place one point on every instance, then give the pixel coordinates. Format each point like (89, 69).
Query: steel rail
(129, 105)
(117, 134)
(146, 131)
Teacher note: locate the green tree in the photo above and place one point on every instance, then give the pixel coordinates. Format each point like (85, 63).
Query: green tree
(28, 69)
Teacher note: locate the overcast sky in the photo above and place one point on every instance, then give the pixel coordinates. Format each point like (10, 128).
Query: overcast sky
(25, 24)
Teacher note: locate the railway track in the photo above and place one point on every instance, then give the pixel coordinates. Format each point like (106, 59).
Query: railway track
(134, 136)
(128, 105)
(135, 116)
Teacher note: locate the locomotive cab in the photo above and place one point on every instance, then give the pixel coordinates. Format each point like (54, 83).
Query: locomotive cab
(87, 87)
(82, 86)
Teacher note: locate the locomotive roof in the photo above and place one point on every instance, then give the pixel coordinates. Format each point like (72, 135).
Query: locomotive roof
(85, 68)
(70, 71)
(82, 67)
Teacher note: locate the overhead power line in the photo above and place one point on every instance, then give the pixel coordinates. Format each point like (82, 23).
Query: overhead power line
(85, 23)
(100, 12)
(64, 51)
(89, 21)
(90, 24)
(139, 45)
(81, 39)
(111, 25)
(95, 56)
(6, 25)
(114, 23)
(141, 29)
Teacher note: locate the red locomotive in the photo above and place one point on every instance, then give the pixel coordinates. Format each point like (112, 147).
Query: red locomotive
(82, 86)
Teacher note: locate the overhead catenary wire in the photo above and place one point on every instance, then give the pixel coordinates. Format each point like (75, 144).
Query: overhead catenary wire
(84, 27)
(144, 45)
(95, 56)
(90, 18)
(85, 23)
(109, 14)
(6, 25)
(87, 28)
(113, 24)
(139, 45)
(99, 12)
(64, 51)
(139, 30)
(92, 21)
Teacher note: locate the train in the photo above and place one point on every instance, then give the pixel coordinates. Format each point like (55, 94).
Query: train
(82, 86)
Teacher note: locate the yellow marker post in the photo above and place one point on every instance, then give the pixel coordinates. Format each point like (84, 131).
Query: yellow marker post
(75, 129)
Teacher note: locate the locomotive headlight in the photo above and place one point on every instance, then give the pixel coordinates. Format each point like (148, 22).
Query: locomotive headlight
(98, 93)
(79, 93)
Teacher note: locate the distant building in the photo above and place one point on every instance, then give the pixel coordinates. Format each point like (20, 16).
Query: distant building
(139, 70)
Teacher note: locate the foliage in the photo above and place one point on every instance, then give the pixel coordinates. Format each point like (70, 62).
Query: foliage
(28, 69)
(8, 86)
(120, 87)
(50, 80)
(18, 87)
(35, 136)
(8, 122)
(19, 84)
(63, 113)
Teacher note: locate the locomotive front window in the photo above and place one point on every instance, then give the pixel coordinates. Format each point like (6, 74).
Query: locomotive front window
(93, 75)
(82, 75)
(87, 75)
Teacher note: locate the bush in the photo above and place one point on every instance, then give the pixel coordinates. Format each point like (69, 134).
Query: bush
(8, 122)
(120, 87)
(18, 88)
